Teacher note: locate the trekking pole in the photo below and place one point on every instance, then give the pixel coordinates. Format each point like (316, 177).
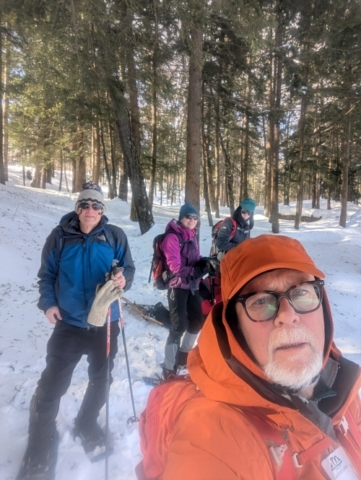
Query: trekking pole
(115, 270)
(134, 418)
(213, 296)
(107, 397)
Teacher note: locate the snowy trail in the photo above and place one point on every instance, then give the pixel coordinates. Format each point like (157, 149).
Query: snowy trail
(27, 217)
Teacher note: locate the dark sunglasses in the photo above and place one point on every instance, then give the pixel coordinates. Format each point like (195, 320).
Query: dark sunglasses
(264, 306)
(245, 212)
(191, 217)
(94, 206)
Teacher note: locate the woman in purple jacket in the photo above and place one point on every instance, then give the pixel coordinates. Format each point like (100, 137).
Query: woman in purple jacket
(186, 267)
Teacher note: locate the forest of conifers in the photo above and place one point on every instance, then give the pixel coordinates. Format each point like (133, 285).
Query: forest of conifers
(220, 99)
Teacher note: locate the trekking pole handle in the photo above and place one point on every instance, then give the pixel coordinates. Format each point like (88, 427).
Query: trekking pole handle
(114, 268)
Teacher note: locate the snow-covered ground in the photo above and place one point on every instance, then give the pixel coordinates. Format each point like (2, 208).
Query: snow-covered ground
(26, 218)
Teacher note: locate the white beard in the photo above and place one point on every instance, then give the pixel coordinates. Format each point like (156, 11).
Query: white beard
(289, 374)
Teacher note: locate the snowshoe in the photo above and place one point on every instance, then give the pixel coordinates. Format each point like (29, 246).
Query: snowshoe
(40, 464)
(93, 440)
(158, 379)
(153, 381)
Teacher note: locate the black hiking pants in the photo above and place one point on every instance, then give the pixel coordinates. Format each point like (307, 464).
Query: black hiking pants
(65, 348)
(185, 317)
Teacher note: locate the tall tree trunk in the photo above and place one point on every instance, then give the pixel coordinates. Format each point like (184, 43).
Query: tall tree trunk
(205, 167)
(245, 155)
(154, 105)
(106, 165)
(123, 182)
(66, 178)
(345, 165)
(301, 129)
(37, 176)
(6, 110)
(287, 174)
(96, 152)
(122, 120)
(61, 169)
(43, 178)
(276, 122)
(2, 166)
(229, 176)
(305, 62)
(132, 90)
(266, 209)
(113, 162)
(217, 155)
(207, 159)
(80, 162)
(194, 119)
(206, 192)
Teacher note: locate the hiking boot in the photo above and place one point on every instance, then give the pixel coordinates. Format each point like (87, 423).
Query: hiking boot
(181, 370)
(166, 374)
(39, 464)
(91, 435)
(93, 439)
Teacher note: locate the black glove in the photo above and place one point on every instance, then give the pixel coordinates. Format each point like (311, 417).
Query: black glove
(206, 265)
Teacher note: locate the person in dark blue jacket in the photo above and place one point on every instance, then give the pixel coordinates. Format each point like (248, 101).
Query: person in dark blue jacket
(76, 258)
(242, 221)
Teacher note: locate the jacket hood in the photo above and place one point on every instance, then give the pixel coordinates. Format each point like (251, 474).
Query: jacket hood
(240, 220)
(176, 227)
(207, 363)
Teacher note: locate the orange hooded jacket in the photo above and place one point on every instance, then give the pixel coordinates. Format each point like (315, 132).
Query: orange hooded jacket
(213, 438)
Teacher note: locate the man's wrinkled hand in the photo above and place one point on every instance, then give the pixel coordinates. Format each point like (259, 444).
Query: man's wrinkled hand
(119, 280)
(53, 315)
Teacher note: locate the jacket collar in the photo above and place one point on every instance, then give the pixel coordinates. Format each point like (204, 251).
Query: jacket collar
(70, 224)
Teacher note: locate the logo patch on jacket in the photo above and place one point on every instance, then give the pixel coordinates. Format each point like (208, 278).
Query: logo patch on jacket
(102, 238)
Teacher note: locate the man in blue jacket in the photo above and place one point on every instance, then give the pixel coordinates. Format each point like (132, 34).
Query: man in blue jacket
(76, 258)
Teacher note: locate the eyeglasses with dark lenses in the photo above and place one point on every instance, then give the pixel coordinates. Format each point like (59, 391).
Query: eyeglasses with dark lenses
(191, 217)
(263, 306)
(245, 212)
(86, 206)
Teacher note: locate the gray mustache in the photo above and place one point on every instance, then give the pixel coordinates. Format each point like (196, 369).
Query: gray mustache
(290, 336)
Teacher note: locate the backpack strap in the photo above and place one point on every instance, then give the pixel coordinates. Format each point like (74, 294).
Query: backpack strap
(281, 458)
(59, 247)
(109, 236)
(349, 436)
(300, 459)
(181, 245)
(179, 236)
(285, 462)
(234, 228)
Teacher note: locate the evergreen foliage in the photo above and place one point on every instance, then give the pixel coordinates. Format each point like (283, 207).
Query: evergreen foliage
(277, 119)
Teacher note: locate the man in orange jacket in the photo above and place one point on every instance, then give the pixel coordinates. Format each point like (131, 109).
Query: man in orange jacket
(276, 399)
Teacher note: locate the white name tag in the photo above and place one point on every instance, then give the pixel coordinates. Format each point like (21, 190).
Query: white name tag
(338, 466)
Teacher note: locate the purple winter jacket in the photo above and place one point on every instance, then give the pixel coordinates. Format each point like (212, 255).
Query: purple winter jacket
(181, 261)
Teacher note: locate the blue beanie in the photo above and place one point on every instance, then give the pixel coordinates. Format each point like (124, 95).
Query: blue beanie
(248, 204)
(187, 209)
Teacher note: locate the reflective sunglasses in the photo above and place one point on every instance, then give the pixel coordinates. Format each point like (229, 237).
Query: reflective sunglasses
(94, 206)
(264, 306)
(245, 212)
(190, 216)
